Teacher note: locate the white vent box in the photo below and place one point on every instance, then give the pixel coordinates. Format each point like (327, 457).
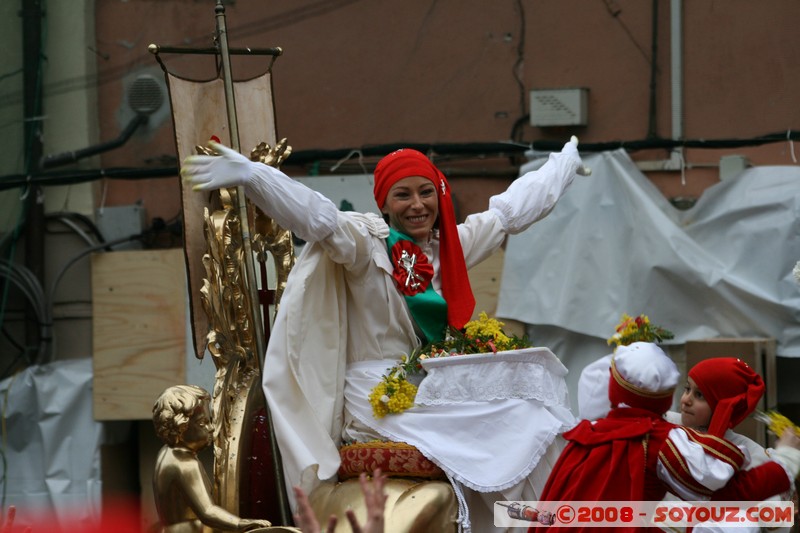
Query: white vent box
(732, 165)
(559, 107)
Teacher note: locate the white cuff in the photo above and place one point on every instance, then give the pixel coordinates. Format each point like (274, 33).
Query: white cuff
(789, 459)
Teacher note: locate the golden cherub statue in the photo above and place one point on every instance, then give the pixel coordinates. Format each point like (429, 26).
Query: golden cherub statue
(182, 419)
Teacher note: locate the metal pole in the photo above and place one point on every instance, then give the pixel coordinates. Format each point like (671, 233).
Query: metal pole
(32, 14)
(258, 331)
(233, 125)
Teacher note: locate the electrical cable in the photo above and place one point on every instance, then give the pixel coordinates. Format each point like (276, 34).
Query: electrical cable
(614, 10)
(502, 149)
(71, 177)
(516, 128)
(11, 341)
(14, 238)
(83, 219)
(7, 371)
(26, 281)
(23, 352)
(11, 74)
(74, 227)
(51, 293)
(21, 283)
(515, 70)
(464, 150)
(31, 289)
(44, 304)
(652, 114)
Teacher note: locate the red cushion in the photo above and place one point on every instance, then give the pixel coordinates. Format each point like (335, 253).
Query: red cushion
(396, 459)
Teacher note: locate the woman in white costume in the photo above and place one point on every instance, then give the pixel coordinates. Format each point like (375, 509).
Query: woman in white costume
(363, 293)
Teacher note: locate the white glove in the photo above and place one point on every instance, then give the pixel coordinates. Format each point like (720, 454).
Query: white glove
(208, 172)
(571, 148)
(788, 457)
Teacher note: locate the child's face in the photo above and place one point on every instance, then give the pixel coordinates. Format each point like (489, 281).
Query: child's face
(695, 411)
(200, 431)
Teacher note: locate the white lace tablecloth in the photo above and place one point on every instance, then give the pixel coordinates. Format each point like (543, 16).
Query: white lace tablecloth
(528, 374)
(485, 419)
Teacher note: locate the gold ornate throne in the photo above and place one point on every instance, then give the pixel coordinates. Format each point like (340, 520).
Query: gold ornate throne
(228, 244)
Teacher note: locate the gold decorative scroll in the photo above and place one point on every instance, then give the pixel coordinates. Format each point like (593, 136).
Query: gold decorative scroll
(225, 297)
(268, 236)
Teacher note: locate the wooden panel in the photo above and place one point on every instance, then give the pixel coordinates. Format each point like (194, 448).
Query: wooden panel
(759, 353)
(485, 280)
(139, 330)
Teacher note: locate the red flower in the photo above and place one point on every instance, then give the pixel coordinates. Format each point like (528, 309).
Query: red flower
(412, 272)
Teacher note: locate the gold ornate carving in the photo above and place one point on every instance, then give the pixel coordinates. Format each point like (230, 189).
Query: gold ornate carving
(268, 235)
(230, 341)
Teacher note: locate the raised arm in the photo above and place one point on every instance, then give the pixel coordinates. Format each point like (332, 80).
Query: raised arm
(532, 196)
(529, 199)
(303, 211)
(771, 478)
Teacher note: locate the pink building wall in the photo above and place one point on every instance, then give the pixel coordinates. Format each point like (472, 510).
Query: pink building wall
(359, 73)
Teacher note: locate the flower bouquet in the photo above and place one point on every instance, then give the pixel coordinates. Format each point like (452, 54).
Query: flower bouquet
(776, 422)
(639, 329)
(395, 394)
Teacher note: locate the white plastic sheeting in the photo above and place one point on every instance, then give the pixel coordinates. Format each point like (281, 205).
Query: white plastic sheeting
(52, 443)
(614, 244)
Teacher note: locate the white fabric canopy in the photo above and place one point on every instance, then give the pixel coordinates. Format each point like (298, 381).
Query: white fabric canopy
(614, 244)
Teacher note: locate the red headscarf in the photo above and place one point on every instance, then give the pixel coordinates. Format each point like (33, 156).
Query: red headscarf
(456, 289)
(731, 388)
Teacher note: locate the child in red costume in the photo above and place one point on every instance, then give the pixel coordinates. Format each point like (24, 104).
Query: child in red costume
(720, 393)
(626, 455)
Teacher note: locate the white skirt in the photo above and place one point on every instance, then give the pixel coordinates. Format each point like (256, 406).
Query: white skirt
(486, 445)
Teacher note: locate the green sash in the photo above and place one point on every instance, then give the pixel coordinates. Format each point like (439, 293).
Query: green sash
(428, 308)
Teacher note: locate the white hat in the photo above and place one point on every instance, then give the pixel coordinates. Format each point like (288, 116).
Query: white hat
(643, 376)
(637, 375)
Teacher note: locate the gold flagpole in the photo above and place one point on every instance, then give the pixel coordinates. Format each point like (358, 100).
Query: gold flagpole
(241, 204)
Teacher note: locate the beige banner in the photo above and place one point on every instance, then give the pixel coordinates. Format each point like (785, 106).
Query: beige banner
(198, 113)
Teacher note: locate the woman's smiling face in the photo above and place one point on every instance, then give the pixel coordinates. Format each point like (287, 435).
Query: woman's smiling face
(412, 207)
